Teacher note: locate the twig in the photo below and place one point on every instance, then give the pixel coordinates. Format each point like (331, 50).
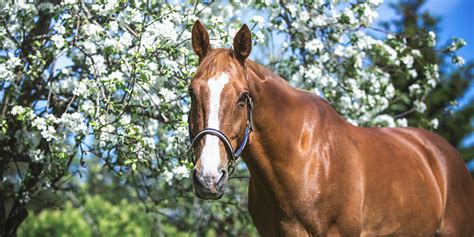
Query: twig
(239, 177)
(49, 98)
(401, 115)
(70, 102)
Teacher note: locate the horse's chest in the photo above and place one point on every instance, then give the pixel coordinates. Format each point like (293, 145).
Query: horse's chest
(292, 218)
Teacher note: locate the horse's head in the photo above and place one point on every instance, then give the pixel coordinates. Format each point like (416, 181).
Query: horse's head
(220, 114)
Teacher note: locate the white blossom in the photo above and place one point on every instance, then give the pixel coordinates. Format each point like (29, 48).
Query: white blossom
(375, 2)
(420, 106)
(414, 89)
(259, 20)
(73, 122)
(17, 109)
(260, 37)
(81, 89)
(369, 15)
(416, 53)
(167, 94)
(350, 16)
(385, 120)
(432, 83)
(165, 30)
(315, 45)
(435, 123)
(402, 122)
(431, 39)
(37, 155)
(92, 29)
(408, 61)
(458, 60)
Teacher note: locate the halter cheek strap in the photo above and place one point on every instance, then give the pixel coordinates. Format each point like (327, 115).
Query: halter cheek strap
(233, 155)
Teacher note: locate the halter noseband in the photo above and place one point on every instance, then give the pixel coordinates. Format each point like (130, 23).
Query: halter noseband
(233, 155)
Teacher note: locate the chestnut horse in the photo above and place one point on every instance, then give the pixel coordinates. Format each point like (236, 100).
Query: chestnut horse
(313, 173)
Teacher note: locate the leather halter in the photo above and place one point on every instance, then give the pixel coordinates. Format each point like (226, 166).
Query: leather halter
(233, 155)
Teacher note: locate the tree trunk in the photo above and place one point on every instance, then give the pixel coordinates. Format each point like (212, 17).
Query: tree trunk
(17, 215)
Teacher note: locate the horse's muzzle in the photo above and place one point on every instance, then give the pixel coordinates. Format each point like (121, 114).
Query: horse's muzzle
(208, 187)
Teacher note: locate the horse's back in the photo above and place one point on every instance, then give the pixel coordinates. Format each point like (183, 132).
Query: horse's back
(414, 179)
(419, 178)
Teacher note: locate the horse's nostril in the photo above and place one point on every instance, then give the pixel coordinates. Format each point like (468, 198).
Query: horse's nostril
(208, 184)
(196, 179)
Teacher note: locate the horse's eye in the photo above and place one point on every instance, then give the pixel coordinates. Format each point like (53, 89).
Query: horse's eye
(242, 100)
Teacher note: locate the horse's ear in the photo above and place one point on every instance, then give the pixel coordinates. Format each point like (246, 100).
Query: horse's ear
(200, 40)
(243, 42)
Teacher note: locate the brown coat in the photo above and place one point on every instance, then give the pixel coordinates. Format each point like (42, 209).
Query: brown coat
(313, 173)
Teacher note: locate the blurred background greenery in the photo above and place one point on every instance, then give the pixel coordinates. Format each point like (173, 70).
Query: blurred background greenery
(105, 206)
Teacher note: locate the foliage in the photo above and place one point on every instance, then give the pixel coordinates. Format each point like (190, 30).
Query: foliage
(65, 222)
(102, 217)
(103, 206)
(108, 81)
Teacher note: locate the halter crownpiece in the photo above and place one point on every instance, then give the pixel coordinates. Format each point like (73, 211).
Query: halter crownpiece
(233, 155)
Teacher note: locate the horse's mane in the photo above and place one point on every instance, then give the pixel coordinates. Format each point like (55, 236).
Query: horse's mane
(263, 72)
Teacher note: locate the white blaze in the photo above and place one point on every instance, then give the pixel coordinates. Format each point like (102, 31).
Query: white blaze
(210, 156)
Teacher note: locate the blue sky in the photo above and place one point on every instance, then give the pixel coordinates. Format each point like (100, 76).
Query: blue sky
(456, 20)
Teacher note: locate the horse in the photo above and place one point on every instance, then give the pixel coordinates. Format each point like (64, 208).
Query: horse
(312, 173)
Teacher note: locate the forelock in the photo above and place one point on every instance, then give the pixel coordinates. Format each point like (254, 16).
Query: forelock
(218, 61)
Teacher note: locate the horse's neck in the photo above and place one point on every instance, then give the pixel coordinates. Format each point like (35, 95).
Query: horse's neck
(270, 92)
(274, 101)
(284, 118)
(271, 96)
